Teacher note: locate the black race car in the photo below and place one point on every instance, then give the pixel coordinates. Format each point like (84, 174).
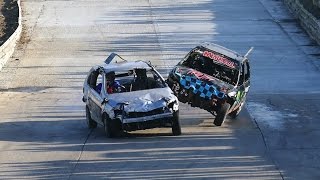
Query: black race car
(213, 78)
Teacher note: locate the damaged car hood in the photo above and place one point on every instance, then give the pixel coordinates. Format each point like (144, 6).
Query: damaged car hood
(142, 101)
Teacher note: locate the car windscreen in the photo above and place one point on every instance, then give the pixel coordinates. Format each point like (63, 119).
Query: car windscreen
(225, 72)
(134, 80)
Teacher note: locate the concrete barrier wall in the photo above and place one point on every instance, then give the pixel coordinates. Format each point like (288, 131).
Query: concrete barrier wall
(7, 49)
(307, 20)
(317, 3)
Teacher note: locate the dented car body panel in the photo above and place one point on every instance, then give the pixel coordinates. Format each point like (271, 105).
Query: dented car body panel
(210, 76)
(144, 100)
(141, 100)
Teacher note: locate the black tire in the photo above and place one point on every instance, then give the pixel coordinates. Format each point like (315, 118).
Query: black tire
(107, 127)
(221, 114)
(112, 127)
(176, 127)
(236, 112)
(90, 122)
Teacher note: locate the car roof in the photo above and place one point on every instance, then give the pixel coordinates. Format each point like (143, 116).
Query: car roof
(125, 65)
(223, 50)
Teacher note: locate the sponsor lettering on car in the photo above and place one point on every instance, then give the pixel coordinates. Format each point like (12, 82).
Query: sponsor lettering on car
(219, 59)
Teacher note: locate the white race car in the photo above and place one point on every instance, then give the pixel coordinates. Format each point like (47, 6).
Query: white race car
(128, 96)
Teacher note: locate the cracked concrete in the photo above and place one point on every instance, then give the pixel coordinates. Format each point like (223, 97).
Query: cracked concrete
(80, 155)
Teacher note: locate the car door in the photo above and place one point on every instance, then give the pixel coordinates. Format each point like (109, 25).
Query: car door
(95, 96)
(246, 83)
(242, 87)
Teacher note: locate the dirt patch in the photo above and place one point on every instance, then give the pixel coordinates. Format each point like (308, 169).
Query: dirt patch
(2, 23)
(9, 15)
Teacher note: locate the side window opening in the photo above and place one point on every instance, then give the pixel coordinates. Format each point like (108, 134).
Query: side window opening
(89, 79)
(99, 84)
(112, 84)
(242, 75)
(246, 71)
(95, 81)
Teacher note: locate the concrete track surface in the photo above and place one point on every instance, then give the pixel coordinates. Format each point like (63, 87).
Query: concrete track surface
(43, 134)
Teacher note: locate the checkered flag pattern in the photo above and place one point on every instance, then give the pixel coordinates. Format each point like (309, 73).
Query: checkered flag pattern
(205, 90)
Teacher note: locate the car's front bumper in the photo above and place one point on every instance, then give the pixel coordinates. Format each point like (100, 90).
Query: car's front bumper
(148, 118)
(147, 122)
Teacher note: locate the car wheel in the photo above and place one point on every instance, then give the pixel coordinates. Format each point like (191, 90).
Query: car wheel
(176, 128)
(236, 112)
(90, 122)
(221, 114)
(112, 127)
(107, 127)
